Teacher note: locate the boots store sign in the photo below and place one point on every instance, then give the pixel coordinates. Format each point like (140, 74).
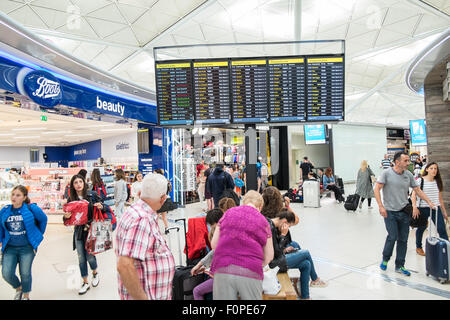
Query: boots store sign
(49, 89)
(43, 88)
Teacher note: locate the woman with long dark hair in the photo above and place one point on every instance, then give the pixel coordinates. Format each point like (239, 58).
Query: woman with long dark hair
(79, 191)
(97, 184)
(22, 229)
(432, 186)
(329, 183)
(287, 253)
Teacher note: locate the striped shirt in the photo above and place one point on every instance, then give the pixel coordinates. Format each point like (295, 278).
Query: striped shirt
(431, 190)
(386, 163)
(139, 237)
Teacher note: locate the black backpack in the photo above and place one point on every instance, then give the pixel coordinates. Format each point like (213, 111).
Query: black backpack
(229, 193)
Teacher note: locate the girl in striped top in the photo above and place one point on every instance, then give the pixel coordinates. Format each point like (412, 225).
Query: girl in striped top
(432, 187)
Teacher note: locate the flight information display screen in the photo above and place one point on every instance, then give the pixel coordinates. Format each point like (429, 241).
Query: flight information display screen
(249, 90)
(211, 92)
(174, 93)
(325, 88)
(287, 96)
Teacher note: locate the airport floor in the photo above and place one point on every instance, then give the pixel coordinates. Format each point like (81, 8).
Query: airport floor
(346, 248)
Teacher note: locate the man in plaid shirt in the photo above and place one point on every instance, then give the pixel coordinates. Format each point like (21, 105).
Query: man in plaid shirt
(145, 263)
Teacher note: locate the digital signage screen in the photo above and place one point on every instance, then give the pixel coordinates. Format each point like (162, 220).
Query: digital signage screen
(315, 134)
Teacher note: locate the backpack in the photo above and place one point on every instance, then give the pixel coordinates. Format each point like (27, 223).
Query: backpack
(229, 193)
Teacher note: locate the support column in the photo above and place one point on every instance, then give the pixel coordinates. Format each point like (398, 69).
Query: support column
(251, 156)
(437, 113)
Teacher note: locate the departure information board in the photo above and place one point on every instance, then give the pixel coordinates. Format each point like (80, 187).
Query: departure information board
(211, 92)
(249, 91)
(287, 89)
(174, 93)
(325, 88)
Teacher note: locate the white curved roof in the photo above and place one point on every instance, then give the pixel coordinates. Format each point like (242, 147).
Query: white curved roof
(382, 37)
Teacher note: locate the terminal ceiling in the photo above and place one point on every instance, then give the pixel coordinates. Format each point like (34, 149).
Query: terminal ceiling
(382, 36)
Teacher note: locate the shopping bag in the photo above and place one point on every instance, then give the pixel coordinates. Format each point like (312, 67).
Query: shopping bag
(271, 285)
(79, 210)
(100, 234)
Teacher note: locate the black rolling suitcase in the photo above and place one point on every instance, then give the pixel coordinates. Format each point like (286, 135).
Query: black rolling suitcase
(351, 204)
(183, 283)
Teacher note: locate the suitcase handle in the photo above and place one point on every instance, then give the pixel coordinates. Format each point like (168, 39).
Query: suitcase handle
(430, 222)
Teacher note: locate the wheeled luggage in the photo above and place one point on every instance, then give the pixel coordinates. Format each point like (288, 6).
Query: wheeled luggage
(183, 283)
(311, 194)
(351, 204)
(437, 259)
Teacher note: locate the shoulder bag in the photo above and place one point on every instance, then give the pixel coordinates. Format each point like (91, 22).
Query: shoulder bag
(420, 221)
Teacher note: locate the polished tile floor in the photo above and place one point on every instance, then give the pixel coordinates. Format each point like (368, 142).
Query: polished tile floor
(346, 248)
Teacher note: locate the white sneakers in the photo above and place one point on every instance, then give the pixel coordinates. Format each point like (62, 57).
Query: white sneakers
(85, 287)
(18, 295)
(95, 280)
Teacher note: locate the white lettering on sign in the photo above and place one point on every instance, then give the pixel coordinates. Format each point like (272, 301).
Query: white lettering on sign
(122, 146)
(58, 172)
(79, 152)
(47, 88)
(111, 107)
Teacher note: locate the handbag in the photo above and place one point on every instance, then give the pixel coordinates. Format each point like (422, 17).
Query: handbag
(168, 205)
(79, 210)
(418, 222)
(99, 238)
(270, 284)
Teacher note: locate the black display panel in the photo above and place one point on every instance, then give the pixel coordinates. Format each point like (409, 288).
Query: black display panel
(211, 92)
(287, 91)
(325, 88)
(249, 90)
(174, 93)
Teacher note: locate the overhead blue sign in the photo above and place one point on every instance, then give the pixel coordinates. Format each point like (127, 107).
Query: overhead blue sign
(418, 132)
(315, 134)
(43, 88)
(17, 76)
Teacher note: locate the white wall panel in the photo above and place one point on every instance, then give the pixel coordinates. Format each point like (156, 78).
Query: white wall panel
(352, 144)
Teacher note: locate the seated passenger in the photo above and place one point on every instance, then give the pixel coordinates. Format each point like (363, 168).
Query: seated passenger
(212, 218)
(329, 183)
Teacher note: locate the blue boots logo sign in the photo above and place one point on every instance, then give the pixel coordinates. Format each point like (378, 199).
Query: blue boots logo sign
(43, 88)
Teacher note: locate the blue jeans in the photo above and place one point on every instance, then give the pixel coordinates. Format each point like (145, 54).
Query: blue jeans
(302, 260)
(397, 226)
(440, 225)
(84, 258)
(23, 256)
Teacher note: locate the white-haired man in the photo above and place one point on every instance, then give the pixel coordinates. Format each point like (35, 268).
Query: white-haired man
(145, 263)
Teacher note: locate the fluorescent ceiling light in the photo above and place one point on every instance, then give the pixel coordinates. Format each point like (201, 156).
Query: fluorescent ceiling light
(112, 130)
(30, 129)
(79, 135)
(26, 137)
(56, 132)
(87, 126)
